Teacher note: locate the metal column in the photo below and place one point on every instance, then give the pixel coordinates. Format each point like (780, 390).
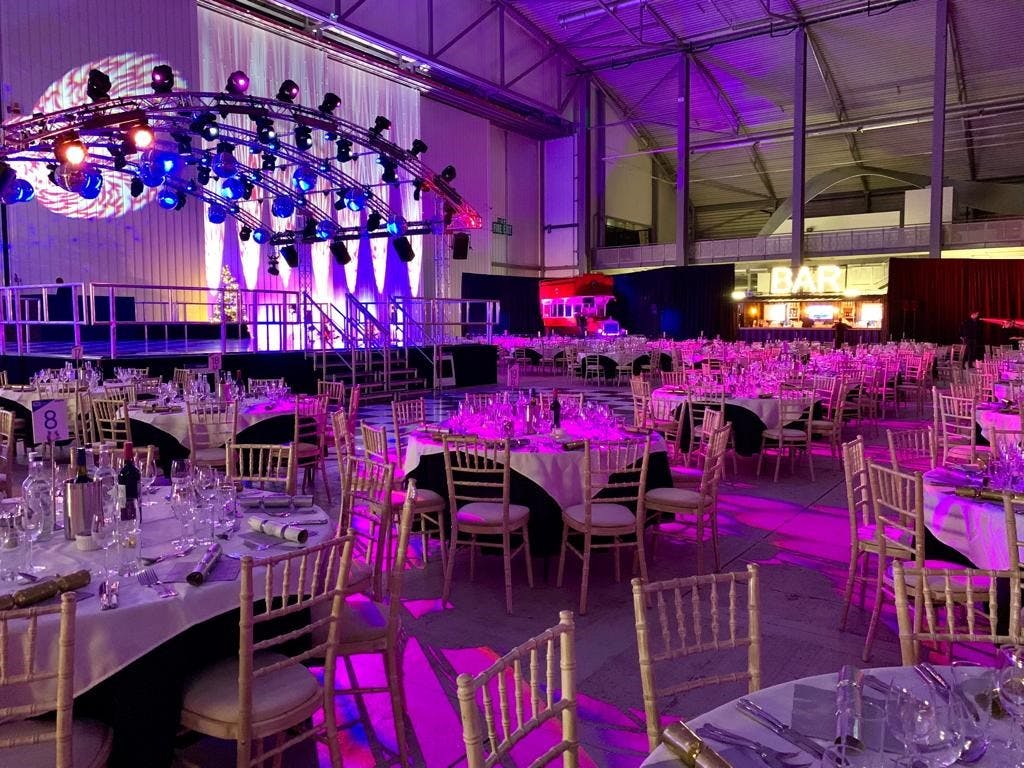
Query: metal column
(799, 142)
(938, 130)
(584, 224)
(600, 170)
(683, 162)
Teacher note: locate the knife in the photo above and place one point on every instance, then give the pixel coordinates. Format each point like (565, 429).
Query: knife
(797, 739)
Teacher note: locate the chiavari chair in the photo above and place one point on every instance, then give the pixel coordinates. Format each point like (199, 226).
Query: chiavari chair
(914, 379)
(125, 392)
(309, 440)
(111, 421)
(786, 438)
(614, 479)
(957, 429)
(544, 398)
(354, 396)
(366, 509)
(1003, 442)
(6, 451)
(478, 473)
(830, 426)
(333, 392)
(26, 739)
(183, 377)
(695, 618)
(211, 426)
(684, 475)
(267, 691)
(861, 516)
(517, 701)
(128, 374)
(262, 463)
(276, 382)
(912, 449)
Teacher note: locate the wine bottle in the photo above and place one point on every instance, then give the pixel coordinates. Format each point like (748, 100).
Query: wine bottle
(556, 411)
(128, 480)
(81, 471)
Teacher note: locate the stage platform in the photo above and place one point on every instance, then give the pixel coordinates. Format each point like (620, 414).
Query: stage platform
(474, 364)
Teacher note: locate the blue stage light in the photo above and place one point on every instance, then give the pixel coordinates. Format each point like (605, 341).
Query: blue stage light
(261, 235)
(167, 199)
(356, 199)
(283, 207)
(397, 226)
(325, 229)
(224, 163)
(232, 189)
(303, 179)
(216, 214)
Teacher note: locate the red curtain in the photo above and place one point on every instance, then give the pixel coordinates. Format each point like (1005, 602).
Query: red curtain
(930, 298)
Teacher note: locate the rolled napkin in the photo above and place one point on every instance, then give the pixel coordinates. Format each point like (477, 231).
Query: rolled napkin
(204, 566)
(275, 500)
(279, 530)
(848, 705)
(690, 748)
(985, 494)
(44, 590)
(573, 445)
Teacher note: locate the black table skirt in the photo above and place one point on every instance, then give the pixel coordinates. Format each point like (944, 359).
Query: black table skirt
(746, 428)
(545, 514)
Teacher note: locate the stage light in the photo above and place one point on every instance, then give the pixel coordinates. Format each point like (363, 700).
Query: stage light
(449, 214)
(69, 149)
(290, 254)
(272, 265)
(265, 132)
(325, 229)
(136, 187)
(224, 163)
(288, 92)
(92, 184)
(380, 124)
(356, 199)
(245, 233)
(184, 142)
(216, 214)
(389, 169)
(140, 136)
(167, 199)
(403, 248)
(97, 87)
(238, 83)
(373, 221)
(330, 103)
(232, 189)
(269, 162)
(417, 189)
(448, 173)
(303, 179)
(118, 155)
(205, 125)
(249, 188)
(182, 199)
(152, 176)
(460, 246)
(344, 150)
(282, 207)
(340, 252)
(261, 235)
(162, 79)
(303, 137)
(203, 175)
(397, 225)
(309, 231)
(418, 147)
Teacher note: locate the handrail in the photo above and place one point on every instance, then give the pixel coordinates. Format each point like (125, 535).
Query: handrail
(359, 315)
(326, 319)
(24, 311)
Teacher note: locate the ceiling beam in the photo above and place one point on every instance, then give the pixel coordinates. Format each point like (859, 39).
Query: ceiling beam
(961, 93)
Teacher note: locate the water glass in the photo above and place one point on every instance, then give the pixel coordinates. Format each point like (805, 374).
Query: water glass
(10, 543)
(29, 522)
(1011, 694)
(104, 533)
(928, 728)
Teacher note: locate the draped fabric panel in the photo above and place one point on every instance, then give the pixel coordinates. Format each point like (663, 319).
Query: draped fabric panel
(681, 302)
(519, 297)
(375, 272)
(930, 298)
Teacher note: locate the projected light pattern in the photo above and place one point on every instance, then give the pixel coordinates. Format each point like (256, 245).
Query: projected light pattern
(129, 72)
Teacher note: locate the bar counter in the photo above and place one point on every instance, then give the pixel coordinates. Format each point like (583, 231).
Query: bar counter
(823, 334)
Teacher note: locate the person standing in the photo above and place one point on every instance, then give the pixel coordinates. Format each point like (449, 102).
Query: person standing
(839, 329)
(970, 336)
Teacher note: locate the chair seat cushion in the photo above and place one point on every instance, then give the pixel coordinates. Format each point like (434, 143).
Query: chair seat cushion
(785, 433)
(822, 424)
(212, 694)
(686, 475)
(424, 498)
(867, 533)
(209, 455)
(673, 497)
(937, 582)
(490, 513)
(602, 515)
(363, 621)
(90, 741)
(305, 450)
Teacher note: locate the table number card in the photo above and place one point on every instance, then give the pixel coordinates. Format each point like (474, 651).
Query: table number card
(49, 420)
(215, 362)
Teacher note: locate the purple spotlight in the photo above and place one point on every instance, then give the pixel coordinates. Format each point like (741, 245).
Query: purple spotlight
(238, 83)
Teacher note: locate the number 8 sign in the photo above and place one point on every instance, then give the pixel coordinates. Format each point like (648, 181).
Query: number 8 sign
(49, 420)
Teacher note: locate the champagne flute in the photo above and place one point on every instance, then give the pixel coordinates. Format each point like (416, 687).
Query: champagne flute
(30, 523)
(104, 531)
(147, 476)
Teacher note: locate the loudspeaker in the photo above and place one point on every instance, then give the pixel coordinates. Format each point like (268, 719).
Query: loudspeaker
(460, 246)
(403, 248)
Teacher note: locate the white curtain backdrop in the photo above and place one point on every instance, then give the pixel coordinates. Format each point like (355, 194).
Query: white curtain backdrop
(227, 44)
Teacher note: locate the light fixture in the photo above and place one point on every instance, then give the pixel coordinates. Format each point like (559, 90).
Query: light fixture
(162, 79)
(448, 173)
(330, 103)
(224, 163)
(245, 233)
(340, 252)
(290, 254)
(261, 235)
(380, 124)
(417, 189)
(403, 248)
(738, 295)
(303, 137)
(356, 199)
(97, 86)
(303, 178)
(167, 199)
(92, 183)
(140, 136)
(269, 161)
(389, 169)
(69, 149)
(272, 265)
(460, 246)
(205, 125)
(238, 83)
(344, 150)
(216, 214)
(373, 221)
(288, 92)
(418, 147)
(265, 132)
(136, 188)
(184, 142)
(282, 207)
(203, 175)
(232, 188)
(397, 225)
(325, 229)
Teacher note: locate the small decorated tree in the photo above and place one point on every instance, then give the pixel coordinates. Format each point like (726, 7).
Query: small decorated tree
(229, 285)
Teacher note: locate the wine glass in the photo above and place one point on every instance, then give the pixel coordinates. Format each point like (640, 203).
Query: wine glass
(30, 523)
(10, 541)
(147, 476)
(1011, 694)
(104, 531)
(181, 472)
(182, 508)
(929, 728)
(975, 692)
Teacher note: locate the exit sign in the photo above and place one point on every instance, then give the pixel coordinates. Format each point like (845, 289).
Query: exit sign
(501, 227)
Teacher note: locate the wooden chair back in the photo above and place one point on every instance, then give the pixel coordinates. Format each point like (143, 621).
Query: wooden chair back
(304, 580)
(676, 378)
(262, 463)
(1005, 442)
(969, 606)
(615, 472)
(912, 448)
(310, 427)
(858, 487)
(354, 396)
(518, 700)
(333, 391)
(406, 414)
(477, 470)
(24, 664)
(211, 424)
(375, 442)
(366, 511)
(111, 421)
(182, 377)
(126, 373)
(714, 461)
(125, 392)
(270, 383)
(898, 499)
(695, 616)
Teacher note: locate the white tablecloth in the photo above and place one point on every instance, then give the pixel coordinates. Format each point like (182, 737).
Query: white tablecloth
(250, 412)
(107, 641)
(996, 418)
(778, 701)
(973, 527)
(765, 408)
(558, 472)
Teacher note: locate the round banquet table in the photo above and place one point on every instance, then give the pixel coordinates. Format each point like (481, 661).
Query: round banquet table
(545, 478)
(135, 658)
(749, 416)
(995, 417)
(779, 700)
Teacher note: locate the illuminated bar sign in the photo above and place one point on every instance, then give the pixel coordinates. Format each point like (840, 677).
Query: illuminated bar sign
(826, 278)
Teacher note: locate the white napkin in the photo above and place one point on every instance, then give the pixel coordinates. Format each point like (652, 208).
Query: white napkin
(279, 530)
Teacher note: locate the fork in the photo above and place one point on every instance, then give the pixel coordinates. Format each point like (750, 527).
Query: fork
(772, 757)
(148, 578)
